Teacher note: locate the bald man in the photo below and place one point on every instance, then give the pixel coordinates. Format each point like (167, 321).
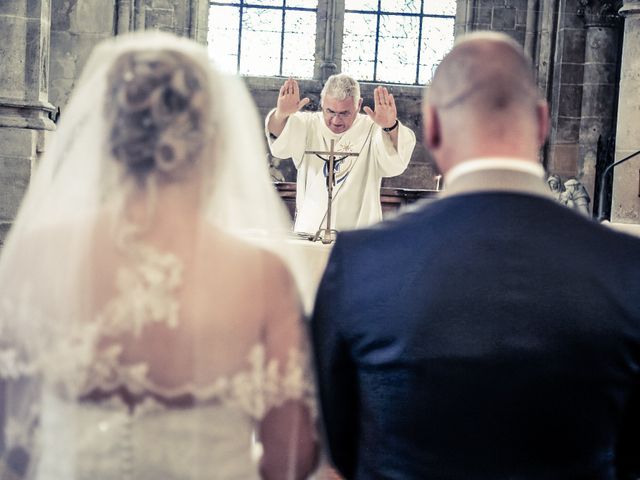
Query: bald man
(493, 334)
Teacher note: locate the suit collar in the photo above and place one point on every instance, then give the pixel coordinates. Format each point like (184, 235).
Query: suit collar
(496, 175)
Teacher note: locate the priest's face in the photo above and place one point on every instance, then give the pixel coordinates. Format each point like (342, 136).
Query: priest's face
(339, 115)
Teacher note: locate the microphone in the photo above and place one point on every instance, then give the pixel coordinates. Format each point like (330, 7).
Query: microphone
(603, 182)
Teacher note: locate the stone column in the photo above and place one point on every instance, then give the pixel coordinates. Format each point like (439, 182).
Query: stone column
(330, 25)
(464, 17)
(625, 204)
(545, 32)
(24, 106)
(600, 70)
(124, 16)
(199, 20)
(565, 89)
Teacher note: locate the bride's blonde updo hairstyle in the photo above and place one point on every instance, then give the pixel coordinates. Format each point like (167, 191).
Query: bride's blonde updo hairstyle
(158, 113)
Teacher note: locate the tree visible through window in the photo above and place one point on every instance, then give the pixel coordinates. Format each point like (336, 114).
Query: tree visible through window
(263, 37)
(398, 41)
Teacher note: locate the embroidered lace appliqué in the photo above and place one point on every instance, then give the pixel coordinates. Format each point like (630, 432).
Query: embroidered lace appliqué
(145, 293)
(263, 385)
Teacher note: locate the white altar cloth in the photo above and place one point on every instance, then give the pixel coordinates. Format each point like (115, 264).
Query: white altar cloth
(315, 256)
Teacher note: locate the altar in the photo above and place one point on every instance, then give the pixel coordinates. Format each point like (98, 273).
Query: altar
(391, 198)
(314, 256)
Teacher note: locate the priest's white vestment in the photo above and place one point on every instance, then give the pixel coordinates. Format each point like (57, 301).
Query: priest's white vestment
(356, 195)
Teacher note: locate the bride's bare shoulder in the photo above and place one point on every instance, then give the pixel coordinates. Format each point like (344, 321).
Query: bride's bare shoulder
(251, 256)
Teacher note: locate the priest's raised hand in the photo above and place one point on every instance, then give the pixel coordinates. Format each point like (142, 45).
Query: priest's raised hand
(288, 103)
(385, 113)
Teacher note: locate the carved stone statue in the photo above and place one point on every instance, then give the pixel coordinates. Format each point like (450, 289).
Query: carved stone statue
(575, 196)
(274, 172)
(555, 185)
(572, 193)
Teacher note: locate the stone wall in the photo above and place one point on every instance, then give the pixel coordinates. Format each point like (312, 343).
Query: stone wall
(24, 109)
(44, 46)
(625, 205)
(599, 91)
(574, 45)
(507, 16)
(582, 89)
(76, 27)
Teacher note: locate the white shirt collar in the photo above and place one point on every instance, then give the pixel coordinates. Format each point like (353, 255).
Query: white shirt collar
(494, 163)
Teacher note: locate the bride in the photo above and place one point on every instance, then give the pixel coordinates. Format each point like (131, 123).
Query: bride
(150, 327)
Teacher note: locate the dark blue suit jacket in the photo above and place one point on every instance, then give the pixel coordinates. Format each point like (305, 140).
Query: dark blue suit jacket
(483, 336)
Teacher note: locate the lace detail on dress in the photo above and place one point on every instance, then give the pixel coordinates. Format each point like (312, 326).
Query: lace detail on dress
(145, 293)
(65, 357)
(58, 354)
(16, 316)
(265, 384)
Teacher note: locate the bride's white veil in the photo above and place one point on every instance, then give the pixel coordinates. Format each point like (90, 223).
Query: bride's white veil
(80, 259)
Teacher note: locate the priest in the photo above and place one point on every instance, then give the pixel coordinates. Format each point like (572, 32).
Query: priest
(380, 146)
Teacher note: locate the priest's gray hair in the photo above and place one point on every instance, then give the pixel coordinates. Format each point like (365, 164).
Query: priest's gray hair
(341, 86)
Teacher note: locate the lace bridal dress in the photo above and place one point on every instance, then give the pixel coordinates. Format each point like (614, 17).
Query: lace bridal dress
(150, 327)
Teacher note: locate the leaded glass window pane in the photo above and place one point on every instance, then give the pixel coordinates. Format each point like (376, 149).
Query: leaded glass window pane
(359, 43)
(273, 3)
(371, 5)
(259, 53)
(440, 7)
(437, 40)
(273, 37)
(402, 6)
(303, 3)
(224, 25)
(299, 43)
(397, 49)
(391, 40)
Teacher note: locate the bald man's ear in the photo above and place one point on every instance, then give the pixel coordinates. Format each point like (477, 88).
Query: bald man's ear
(543, 122)
(431, 128)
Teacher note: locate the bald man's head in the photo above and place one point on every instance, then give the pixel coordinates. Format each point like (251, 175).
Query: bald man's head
(483, 100)
(485, 72)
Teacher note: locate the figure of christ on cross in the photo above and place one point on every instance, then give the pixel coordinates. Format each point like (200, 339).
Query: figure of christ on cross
(326, 234)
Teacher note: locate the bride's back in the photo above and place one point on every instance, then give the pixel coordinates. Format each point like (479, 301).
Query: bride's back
(155, 335)
(214, 298)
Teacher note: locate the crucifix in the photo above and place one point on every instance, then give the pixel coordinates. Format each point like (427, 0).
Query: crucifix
(326, 234)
